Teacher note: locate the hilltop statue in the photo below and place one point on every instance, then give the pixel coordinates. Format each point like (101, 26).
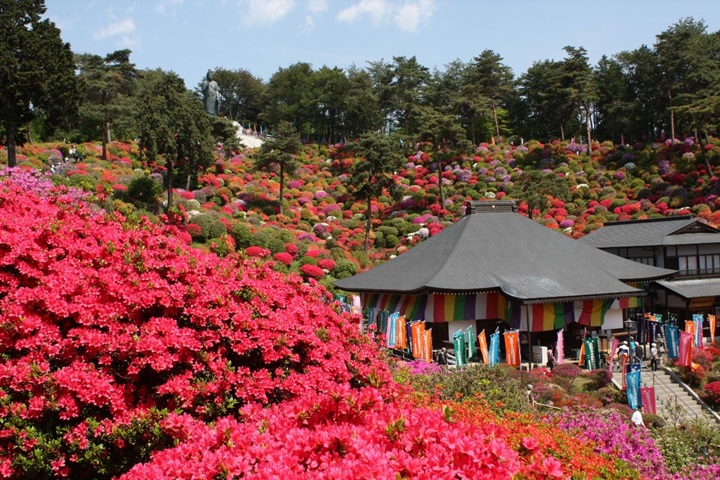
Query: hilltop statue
(211, 97)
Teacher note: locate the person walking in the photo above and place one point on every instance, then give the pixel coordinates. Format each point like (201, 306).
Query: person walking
(653, 357)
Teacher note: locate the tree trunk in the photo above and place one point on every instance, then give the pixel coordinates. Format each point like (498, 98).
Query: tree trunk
(29, 133)
(589, 130)
(672, 119)
(169, 184)
(282, 186)
(562, 133)
(472, 127)
(368, 225)
(497, 126)
(105, 135)
(12, 157)
(440, 186)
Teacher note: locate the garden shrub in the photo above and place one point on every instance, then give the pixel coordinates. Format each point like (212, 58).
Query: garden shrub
(362, 257)
(344, 268)
(242, 234)
(497, 385)
(210, 225)
(143, 191)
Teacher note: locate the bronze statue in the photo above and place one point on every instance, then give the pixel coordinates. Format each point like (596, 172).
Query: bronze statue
(211, 97)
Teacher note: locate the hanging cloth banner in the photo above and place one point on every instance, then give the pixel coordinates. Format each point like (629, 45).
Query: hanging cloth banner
(427, 345)
(417, 329)
(690, 327)
(686, 344)
(633, 390)
(624, 368)
(392, 330)
(642, 329)
(592, 353)
(482, 341)
(647, 399)
(543, 316)
(654, 329)
(560, 353)
(459, 346)
(472, 351)
(401, 333)
(698, 320)
(593, 312)
(712, 323)
(494, 349)
(512, 348)
(447, 308)
(613, 349)
(672, 341)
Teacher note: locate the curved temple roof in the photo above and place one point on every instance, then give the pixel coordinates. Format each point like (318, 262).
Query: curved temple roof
(511, 253)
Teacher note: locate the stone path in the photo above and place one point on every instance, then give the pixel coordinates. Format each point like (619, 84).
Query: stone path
(675, 402)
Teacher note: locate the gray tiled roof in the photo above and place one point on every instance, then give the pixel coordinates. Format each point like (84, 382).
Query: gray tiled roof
(696, 288)
(510, 253)
(651, 233)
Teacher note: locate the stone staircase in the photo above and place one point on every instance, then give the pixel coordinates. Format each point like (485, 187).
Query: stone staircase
(674, 400)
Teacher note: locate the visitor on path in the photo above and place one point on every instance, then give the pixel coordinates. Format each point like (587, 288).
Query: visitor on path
(637, 418)
(623, 355)
(653, 357)
(442, 357)
(551, 358)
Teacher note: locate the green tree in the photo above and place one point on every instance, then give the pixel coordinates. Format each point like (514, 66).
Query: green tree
(288, 97)
(362, 110)
(679, 57)
(241, 93)
(108, 86)
(443, 132)
(378, 156)
(37, 73)
(173, 123)
(547, 111)
(280, 151)
(579, 87)
(649, 102)
(330, 87)
(491, 82)
(614, 106)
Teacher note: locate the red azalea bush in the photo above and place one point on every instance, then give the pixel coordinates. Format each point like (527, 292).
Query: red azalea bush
(106, 329)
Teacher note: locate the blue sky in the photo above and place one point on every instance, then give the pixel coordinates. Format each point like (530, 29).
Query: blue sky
(191, 36)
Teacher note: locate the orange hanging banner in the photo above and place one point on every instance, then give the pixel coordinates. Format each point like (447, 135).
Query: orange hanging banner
(712, 321)
(427, 345)
(512, 348)
(401, 333)
(482, 341)
(415, 331)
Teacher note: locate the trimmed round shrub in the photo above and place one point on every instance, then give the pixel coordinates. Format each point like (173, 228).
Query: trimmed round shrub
(210, 226)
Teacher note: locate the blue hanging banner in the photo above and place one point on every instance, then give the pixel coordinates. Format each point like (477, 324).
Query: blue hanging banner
(698, 319)
(672, 337)
(392, 329)
(494, 352)
(633, 389)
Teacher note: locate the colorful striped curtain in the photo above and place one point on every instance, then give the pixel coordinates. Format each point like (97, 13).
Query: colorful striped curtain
(593, 312)
(543, 316)
(439, 307)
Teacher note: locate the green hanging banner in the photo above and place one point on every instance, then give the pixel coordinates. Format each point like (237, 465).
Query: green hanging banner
(459, 346)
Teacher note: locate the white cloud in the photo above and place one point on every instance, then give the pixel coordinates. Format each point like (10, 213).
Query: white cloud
(162, 5)
(262, 12)
(123, 27)
(317, 6)
(375, 9)
(129, 42)
(411, 14)
(407, 15)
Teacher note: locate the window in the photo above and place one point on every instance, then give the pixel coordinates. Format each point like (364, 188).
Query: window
(699, 264)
